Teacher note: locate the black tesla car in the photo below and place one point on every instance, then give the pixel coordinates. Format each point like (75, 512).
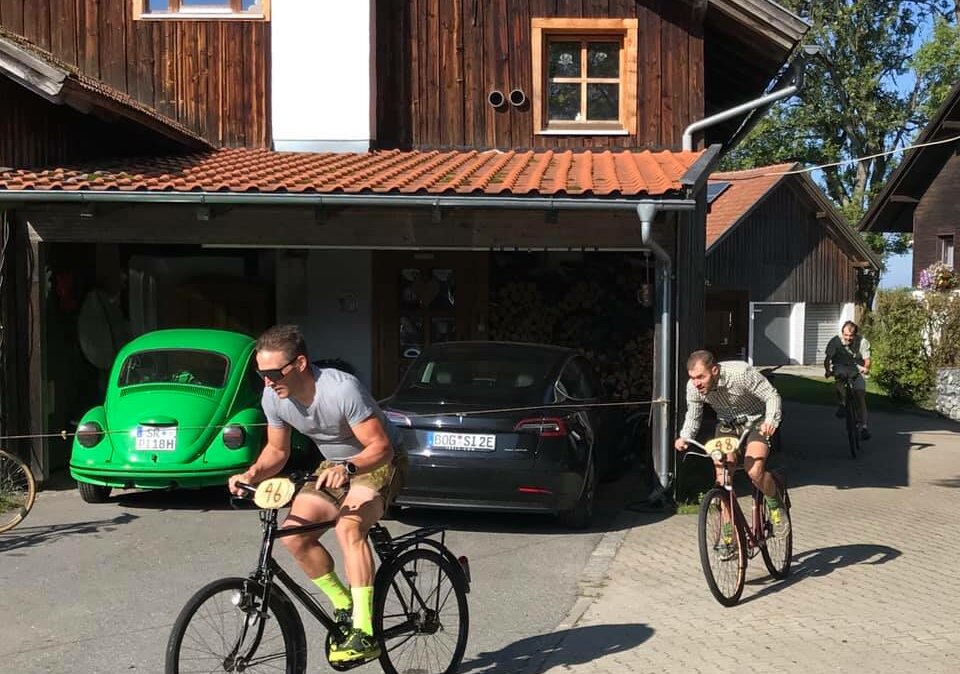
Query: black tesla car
(506, 426)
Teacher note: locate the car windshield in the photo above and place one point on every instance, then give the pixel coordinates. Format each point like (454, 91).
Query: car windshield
(514, 376)
(175, 366)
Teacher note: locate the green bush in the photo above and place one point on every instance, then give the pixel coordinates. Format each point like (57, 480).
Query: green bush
(900, 362)
(943, 328)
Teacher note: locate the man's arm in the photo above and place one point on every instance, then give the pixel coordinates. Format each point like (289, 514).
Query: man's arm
(272, 458)
(828, 360)
(694, 415)
(764, 390)
(377, 450)
(865, 352)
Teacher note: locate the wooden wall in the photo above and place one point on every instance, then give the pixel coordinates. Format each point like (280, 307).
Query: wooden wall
(212, 76)
(437, 61)
(937, 214)
(783, 253)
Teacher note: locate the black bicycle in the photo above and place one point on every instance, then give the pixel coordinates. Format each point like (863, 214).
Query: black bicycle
(420, 615)
(851, 411)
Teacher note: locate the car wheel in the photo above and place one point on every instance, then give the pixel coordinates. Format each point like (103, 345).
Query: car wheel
(93, 493)
(580, 516)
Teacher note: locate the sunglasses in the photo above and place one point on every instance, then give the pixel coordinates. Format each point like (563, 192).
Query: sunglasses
(276, 374)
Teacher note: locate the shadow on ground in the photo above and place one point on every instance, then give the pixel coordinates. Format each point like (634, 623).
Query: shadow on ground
(569, 647)
(824, 561)
(30, 537)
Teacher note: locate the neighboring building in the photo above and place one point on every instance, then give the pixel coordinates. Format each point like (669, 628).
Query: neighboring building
(921, 195)
(783, 266)
(375, 164)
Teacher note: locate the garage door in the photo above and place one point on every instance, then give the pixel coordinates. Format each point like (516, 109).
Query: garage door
(821, 324)
(771, 334)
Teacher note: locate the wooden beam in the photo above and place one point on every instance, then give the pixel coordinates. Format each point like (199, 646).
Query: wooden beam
(904, 199)
(39, 451)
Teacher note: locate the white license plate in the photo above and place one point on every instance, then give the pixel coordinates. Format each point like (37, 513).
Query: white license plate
(156, 438)
(469, 442)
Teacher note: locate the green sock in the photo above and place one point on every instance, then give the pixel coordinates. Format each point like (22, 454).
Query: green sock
(363, 608)
(772, 502)
(728, 529)
(334, 589)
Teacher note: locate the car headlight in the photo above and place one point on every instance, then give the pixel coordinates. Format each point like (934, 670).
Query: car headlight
(89, 434)
(234, 436)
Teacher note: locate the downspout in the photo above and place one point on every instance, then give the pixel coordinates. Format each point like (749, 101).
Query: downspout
(647, 212)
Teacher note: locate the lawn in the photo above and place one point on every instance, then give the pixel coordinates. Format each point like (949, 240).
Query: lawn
(814, 390)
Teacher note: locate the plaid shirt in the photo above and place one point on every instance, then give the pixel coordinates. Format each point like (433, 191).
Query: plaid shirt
(740, 391)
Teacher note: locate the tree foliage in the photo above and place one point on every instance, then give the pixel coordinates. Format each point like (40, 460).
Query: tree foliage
(884, 67)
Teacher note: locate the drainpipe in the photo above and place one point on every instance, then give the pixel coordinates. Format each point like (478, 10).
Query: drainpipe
(795, 73)
(647, 212)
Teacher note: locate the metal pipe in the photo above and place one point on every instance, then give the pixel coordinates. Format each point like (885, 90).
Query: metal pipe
(772, 97)
(319, 200)
(647, 213)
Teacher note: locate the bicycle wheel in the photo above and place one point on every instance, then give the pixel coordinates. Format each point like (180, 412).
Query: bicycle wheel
(725, 569)
(777, 551)
(18, 490)
(221, 629)
(853, 433)
(420, 614)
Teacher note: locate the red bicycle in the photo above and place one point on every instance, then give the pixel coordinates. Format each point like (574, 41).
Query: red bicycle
(727, 541)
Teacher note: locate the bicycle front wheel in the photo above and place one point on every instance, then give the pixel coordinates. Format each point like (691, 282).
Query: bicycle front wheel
(18, 490)
(222, 629)
(723, 557)
(420, 614)
(853, 432)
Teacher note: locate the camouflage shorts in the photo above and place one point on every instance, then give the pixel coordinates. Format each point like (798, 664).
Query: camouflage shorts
(385, 480)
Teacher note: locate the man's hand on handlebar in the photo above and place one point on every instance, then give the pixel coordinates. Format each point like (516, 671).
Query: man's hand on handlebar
(234, 479)
(333, 477)
(680, 444)
(767, 430)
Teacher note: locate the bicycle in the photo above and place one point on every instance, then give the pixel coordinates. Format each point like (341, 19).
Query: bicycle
(18, 490)
(724, 568)
(255, 624)
(851, 412)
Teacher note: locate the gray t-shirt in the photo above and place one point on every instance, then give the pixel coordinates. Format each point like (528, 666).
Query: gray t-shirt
(339, 403)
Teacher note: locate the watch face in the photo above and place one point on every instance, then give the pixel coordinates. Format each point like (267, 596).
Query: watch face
(351, 469)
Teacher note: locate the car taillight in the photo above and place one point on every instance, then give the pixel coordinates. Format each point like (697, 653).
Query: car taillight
(546, 427)
(397, 419)
(234, 436)
(89, 434)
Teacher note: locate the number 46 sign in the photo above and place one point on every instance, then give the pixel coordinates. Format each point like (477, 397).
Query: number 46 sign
(274, 493)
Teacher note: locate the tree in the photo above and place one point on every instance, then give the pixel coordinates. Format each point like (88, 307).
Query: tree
(884, 67)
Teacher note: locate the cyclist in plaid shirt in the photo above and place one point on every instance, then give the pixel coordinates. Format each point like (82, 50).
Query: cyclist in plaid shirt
(742, 396)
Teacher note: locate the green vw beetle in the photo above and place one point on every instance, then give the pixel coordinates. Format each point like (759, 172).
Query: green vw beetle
(182, 410)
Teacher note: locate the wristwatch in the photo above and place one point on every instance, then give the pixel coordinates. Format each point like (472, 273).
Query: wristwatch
(350, 467)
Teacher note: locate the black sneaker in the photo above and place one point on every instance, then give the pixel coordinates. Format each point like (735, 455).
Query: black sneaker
(841, 412)
(864, 433)
(344, 618)
(358, 646)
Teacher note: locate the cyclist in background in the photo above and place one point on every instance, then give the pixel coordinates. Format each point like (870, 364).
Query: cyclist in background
(848, 354)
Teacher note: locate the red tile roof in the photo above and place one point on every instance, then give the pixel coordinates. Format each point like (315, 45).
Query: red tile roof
(746, 190)
(387, 172)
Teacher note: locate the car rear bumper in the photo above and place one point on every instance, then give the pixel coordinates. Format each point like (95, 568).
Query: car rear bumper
(489, 484)
(153, 479)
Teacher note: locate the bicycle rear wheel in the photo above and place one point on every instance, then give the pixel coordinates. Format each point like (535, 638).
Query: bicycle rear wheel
(853, 432)
(221, 629)
(725, 568)
(777, 551)
(420, 614)
(18, 490)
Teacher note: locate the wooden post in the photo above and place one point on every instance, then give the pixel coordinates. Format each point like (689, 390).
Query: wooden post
(36, 282)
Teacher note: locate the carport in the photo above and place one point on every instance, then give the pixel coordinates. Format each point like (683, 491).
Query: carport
(287, 203)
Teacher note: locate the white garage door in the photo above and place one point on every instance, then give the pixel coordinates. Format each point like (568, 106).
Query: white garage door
(821, 324)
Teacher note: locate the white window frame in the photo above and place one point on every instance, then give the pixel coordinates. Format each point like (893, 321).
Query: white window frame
(141, 13)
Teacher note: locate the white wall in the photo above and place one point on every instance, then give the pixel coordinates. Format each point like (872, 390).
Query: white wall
(797, 321)
(323, 66)
(329, 293)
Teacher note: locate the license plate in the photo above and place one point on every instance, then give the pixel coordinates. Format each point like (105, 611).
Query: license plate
(156, 438)
(469, 442)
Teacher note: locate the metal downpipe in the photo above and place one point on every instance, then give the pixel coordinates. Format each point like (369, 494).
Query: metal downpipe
(647, 213)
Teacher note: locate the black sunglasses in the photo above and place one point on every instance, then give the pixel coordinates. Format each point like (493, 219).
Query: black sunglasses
(276, 374)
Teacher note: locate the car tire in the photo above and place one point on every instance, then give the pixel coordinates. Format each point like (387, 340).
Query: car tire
(580, 516)
(93, 493)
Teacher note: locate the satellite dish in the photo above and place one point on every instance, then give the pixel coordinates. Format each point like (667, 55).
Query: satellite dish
(101, 329)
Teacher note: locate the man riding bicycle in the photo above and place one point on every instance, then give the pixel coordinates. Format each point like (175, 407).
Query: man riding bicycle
(848, 356)
(738, 394)
(355, 482)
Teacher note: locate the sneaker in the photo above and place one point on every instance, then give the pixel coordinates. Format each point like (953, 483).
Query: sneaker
(726, 548)
(357, 646)
(780, 522)
(841, 412)
(344, 618)
(864, 433)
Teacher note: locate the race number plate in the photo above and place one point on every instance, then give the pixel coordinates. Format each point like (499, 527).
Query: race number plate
(718, 447)
(274, 493)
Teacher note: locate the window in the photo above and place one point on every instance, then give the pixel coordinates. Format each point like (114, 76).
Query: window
(585, 76)
(201, 9)
(945, 249)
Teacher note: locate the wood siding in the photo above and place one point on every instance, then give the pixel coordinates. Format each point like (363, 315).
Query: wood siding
(437, 60)
(937, 214)
(783, 253)
(211, 76)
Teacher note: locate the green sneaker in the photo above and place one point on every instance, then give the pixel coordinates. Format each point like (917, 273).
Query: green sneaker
(357, 646)
(344, 618)
(725, 547)
(778, 518)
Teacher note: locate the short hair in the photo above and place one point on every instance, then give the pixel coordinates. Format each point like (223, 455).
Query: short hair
(286, 338)
(702, 356)
(851, 324)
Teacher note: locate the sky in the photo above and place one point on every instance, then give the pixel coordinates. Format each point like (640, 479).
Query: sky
(899, 272)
